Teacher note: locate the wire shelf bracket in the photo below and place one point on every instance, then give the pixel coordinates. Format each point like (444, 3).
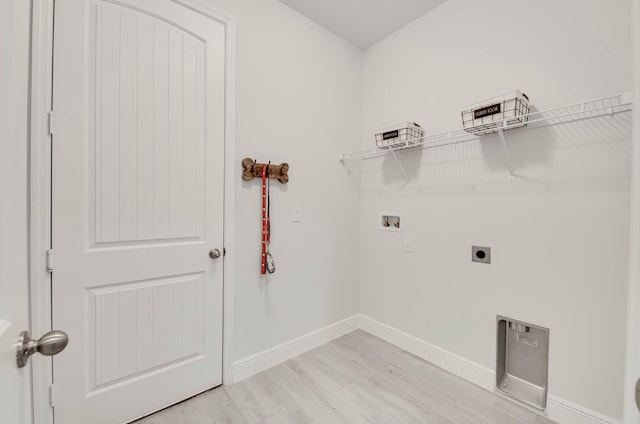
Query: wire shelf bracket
(506, 154)
(589, 109)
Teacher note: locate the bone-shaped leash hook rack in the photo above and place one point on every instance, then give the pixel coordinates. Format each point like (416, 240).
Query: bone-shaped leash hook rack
(252, 169)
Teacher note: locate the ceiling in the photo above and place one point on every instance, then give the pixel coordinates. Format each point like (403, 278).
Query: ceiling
(363, 22)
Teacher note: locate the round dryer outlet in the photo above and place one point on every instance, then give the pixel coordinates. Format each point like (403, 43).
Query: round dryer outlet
(481, 254)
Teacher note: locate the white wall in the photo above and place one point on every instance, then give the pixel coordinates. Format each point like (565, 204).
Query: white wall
(15, 393)
(298, 101)
(558, 232)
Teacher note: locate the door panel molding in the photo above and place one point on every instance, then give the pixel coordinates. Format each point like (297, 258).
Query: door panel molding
(40, 190)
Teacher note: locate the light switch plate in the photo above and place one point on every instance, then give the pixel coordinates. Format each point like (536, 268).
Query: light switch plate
(408, 245)
(296, 214)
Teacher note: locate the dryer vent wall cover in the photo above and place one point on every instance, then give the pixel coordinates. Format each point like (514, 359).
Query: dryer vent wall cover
(522, 361)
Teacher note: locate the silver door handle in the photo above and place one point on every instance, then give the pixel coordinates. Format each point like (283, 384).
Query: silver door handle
(214, 253)
(50, 344)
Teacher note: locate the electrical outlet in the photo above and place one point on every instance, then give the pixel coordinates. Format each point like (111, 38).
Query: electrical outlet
(481, 254)
(408, 245)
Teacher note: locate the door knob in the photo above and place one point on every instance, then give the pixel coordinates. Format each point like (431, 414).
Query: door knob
(50, 344)
(214, 254)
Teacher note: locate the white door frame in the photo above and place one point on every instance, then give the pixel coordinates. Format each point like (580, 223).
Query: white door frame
(40, 192)
(632, 371)
(39, 198)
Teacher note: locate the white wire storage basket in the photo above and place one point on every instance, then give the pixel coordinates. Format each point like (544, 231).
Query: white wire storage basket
(489, 115)
(404, 134)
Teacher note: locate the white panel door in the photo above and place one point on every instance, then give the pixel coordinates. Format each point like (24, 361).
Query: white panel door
(138, 159)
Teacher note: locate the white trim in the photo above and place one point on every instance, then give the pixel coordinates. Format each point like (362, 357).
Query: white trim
(261, 361)
(206, 9)
(455, 364)
(558, 409)
(566, 412)
(229, 23)
(39, 190)
(39, 198)
(632, 363)
(230, 204)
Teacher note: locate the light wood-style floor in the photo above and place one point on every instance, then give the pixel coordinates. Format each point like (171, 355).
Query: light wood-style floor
(357, 379)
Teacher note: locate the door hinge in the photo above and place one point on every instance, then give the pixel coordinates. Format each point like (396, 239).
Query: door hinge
(50, 260)
(50, 117)
(52, 392)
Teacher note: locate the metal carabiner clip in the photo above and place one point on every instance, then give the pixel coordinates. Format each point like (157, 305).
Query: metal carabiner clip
(271, 263)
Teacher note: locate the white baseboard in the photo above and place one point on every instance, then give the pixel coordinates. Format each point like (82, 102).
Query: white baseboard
(261, 361)
(470, 371)
(566, 412)
(559, 410)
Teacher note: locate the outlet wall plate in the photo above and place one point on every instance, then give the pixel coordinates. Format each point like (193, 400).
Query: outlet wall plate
(481, 254)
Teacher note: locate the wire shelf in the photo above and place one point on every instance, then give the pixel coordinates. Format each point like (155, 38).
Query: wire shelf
(576, 112)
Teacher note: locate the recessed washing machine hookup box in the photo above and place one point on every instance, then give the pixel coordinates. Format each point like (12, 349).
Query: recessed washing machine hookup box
(522, 361)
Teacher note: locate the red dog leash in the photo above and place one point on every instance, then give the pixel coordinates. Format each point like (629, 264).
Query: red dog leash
(267, 262)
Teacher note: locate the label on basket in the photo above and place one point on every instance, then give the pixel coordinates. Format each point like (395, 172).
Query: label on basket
(486, 111)
(390, 134)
